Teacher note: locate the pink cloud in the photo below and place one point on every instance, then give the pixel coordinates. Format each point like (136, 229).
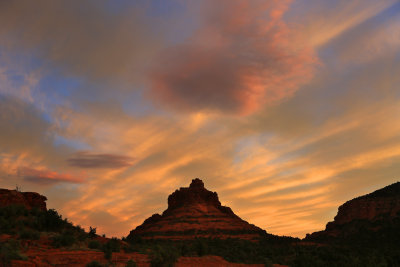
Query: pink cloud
(244, 56)
(44, 176)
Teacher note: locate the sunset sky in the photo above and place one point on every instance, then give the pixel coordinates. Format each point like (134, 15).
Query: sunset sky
(287, 109)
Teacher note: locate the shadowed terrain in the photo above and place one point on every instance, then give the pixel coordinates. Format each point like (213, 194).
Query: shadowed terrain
(195, 212)
(196, 230)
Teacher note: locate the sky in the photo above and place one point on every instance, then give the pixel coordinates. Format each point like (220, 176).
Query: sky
(287, 109)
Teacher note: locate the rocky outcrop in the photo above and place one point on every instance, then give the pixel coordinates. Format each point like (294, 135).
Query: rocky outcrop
(382, 205)
(27, 199)
(194, 212)
(383, 202)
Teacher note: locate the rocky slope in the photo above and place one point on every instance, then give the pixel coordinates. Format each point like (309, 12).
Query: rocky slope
(372, 211)
(27, 199)
(193, 212)
(365, 232)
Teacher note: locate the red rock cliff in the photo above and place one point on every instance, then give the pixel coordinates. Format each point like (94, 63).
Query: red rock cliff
(385, 201)
(193, 212)
(28, 199)
(383, 204)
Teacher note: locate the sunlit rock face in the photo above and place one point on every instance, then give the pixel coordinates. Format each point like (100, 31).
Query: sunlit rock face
(194, 212)
(373, 211)
(27, 199)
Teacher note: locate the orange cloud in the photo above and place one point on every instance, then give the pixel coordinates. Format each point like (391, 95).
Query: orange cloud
(322, 24)
(243, 57)
(45, 177)
(285, 168)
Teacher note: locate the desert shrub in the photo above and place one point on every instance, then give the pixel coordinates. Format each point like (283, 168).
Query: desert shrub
(92, 232)
(6, 225)
(201, 247)
(107, 253)
(94, 244)
(94, 264)
(65, 239)
(164, 256)
(131, 263)
(52, 221)
(29, 234)
(112, 245)
(129, 249)
(10, 251)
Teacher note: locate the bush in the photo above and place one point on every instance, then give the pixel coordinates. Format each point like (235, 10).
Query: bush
(113, 245)
(131, 263)
(10, 251)
(29, 234)
(92, 232)
(52, 221)
(65, 239)
(107, 254)
(6, 226)
(164, 256)
(94, 244)
(129, 249)
(94, 264)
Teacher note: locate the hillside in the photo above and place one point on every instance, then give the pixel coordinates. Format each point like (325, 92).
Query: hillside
(31, 235)
(195, 212)
(369, 218)
(196, 230)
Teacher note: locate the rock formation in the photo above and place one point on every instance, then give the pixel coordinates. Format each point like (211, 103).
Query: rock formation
(195, 212)
(27, 199)
(377, 207)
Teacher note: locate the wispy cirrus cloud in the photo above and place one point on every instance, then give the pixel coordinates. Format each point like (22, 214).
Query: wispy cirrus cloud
(330, 134)
(323, 21)
(91, 160)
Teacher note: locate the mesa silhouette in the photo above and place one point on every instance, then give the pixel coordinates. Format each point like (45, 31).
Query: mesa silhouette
(196, 230)
(368, 218)
(195, 212)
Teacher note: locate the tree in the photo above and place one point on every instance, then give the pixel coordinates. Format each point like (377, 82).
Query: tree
(92, 232)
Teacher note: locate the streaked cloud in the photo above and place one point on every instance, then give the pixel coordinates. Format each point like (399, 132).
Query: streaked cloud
(46, 177)
(317, 81)
(91, 160)
(324, 21)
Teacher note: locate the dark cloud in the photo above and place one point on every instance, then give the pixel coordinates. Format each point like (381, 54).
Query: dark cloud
(90, 160)
(46, 177)
(85, 38)
(241, 58)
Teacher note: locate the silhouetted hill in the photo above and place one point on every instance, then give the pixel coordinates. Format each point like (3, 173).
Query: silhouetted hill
(375, 213)
(196, 230)
(29, 200)
(195, 212)
(392, 190)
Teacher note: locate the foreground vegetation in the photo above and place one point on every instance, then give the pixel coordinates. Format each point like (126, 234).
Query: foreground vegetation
(271, 250)
(358, 245)
(22, 224)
